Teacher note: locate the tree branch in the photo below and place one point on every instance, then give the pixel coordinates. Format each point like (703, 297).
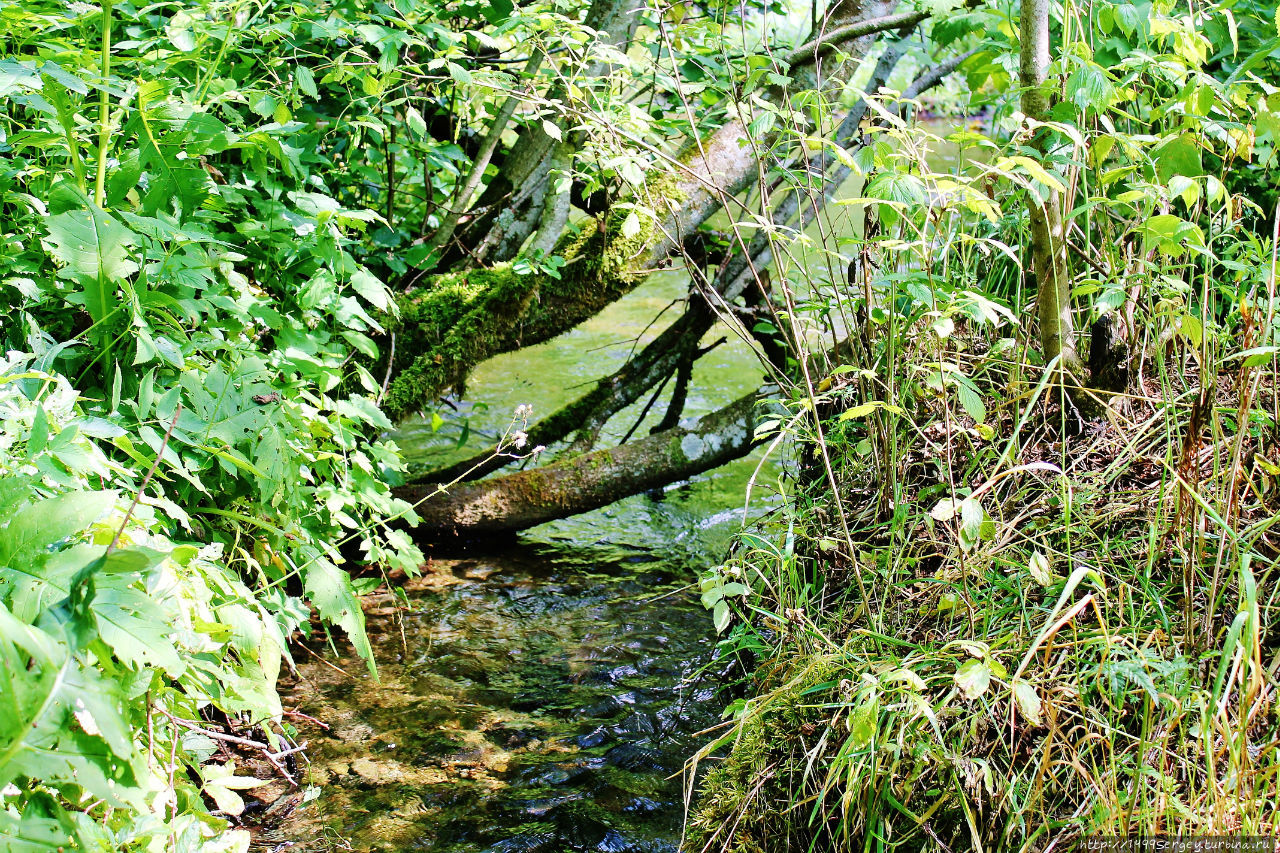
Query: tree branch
(476, 175)
(832, 39)
(592, 480)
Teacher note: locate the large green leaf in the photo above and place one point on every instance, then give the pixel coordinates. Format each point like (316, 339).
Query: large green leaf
(32, 529)
(28, 833)
(92, 246)
(59, 719)
(1179, 156)
(92, 243)
(107, 598)
(329, 589)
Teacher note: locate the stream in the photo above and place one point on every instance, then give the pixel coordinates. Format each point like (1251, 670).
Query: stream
(542, 695)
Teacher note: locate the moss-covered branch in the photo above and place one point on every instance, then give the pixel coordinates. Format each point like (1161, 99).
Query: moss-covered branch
(592, 480)
(460, 319)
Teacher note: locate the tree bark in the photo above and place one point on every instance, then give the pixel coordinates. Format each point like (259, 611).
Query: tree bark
(592, 480)
(512, 203)
(445, 232)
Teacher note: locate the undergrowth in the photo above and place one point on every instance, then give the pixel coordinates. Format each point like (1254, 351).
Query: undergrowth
(190, 452)
(990, 616)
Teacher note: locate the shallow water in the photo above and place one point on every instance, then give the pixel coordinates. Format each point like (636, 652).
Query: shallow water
(534, 701)
(544, 696)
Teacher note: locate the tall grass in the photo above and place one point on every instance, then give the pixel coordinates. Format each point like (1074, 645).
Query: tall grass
(986, 620)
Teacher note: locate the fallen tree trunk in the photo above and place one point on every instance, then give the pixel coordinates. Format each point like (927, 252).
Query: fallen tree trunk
(527, 498)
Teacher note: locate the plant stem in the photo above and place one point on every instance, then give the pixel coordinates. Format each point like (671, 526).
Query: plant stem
(1048, 250)
(104, 109)
(483, 156)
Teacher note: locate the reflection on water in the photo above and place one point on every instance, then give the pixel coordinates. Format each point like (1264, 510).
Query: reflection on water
(552, 374)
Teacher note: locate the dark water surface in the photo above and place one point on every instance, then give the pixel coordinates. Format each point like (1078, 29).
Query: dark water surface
(533, 701)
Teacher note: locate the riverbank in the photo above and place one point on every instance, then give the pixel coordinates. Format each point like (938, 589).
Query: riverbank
(1026, 635)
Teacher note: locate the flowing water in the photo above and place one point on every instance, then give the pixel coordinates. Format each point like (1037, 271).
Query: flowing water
(542, 695)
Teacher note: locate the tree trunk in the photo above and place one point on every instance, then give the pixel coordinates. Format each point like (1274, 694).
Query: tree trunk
(513, 201)
(465, 317)
(592, 480)
(1048, 240)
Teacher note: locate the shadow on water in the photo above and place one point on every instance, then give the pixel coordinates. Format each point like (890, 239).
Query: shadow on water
(536, 700)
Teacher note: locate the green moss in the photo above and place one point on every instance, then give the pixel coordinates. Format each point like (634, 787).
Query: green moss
(749, 789)
(446, 328)
(462, 318)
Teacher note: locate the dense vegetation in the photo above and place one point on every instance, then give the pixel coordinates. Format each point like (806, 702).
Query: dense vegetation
(1021, 584)
(1000, 613)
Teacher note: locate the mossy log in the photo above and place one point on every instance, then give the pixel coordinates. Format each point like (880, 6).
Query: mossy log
(526, 498)
(459, 319)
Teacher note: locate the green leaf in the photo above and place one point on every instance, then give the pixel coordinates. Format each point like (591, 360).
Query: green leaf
(1090, 88)
(307, 83)
(897, 188)
(1035, 170)
(630, 225)
(1041, 573)
(29, 833)
(864, 722)
(37, 526)
(970, 399)
(371, 288)
(221, 785)
(1127, 17)
(721, 615)
(973, 677)
(863, 409)
(61, 721)
(904, 675)
(330, 590)
(945, 509)
(92, 246)
(1179, 156)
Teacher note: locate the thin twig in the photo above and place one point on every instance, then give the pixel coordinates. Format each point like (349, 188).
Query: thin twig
(391, 363)
(147, 479)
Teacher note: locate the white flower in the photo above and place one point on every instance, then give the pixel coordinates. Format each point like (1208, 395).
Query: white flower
(519, 438)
